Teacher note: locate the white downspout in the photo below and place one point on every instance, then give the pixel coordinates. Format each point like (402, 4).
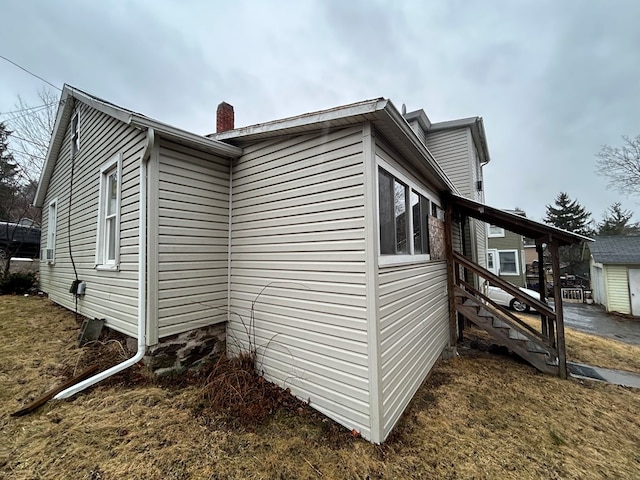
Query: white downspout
(142, 284)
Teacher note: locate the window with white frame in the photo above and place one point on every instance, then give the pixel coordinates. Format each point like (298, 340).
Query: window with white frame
(108, 241)
(495, 231)
(508, 262)
(75, 134)
(403, 213)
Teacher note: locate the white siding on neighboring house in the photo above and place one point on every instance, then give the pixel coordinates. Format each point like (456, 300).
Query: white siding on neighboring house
(111, 295)
(617, 283)
(414, 331)
(298, 257)
(191, 234)
(598, 285)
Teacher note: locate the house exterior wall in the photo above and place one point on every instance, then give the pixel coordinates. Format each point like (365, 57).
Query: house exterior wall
(298, 269)
(413, 317)
(452, 150)
(111, 295)
(511, 241)
(414, 331)
(189, 237)
(617, 286)
(457, 155)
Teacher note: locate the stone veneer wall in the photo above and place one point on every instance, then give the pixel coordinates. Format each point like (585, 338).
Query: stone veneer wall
(179, 352)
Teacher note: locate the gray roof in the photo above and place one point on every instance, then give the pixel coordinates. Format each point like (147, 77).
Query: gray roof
(619, 249)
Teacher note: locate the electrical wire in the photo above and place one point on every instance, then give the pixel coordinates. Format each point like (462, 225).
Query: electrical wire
(73, 263)
(34, 108)
(30, 73)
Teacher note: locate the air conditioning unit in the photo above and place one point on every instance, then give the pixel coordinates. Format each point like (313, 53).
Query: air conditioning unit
(46, 255)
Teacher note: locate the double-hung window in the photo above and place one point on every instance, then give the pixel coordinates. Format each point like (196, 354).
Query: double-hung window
(403, 215)
(508, 262)
(108, 241)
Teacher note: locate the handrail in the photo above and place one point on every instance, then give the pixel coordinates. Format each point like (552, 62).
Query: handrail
(506, 286)
(525, 329)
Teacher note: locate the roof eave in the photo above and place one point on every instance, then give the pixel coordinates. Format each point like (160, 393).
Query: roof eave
(516, 223)
(177, 134)
(285, 125)
(130, 118)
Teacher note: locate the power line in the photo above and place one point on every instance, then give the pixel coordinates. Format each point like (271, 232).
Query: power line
(34, 108)
(30, 73)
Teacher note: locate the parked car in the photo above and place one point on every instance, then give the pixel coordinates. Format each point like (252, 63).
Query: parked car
(506, 299)
(20, 239)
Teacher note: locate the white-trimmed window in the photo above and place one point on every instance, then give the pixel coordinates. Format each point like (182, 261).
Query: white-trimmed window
(508, 262)
(403, 218)
(108, 241)
(495, 231)
(75, 134)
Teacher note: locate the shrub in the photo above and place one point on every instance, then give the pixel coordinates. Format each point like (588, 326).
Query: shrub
(17, 283)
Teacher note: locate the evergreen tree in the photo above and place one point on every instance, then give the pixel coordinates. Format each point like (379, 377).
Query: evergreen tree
(569, 215)
(9, 182)
(617, 221)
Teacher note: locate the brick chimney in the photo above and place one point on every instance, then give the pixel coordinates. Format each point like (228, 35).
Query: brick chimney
(224, 118)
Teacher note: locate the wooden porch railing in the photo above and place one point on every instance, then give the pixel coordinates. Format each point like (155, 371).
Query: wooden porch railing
(548, 332)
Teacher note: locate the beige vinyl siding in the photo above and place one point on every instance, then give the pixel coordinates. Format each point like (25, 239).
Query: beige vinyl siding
(414, 331)
(617, 282)
(111, 295)
(298, 257)
(451, 149)
(192, 239)
(481, 238)
(415, 126)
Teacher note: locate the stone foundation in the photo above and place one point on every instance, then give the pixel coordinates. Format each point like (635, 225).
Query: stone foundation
(179, 352)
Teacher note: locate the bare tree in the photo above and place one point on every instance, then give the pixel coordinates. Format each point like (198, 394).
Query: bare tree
(621, 165)
(25, 143)
(32, 126)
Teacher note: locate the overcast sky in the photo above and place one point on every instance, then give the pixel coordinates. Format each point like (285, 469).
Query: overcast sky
(553, 80)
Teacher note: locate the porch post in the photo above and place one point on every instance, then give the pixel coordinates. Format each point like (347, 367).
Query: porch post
(542, 285)
(448, 234)
(557, 298)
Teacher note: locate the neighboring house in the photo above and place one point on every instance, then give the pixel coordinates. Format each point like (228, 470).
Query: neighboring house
(615, 273)
(461, 149)
(506, 255)
(319, 241)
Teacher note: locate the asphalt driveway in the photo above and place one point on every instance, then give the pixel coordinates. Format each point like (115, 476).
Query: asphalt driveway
(594, 320)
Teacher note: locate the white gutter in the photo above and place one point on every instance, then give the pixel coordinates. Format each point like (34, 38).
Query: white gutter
(142, 284)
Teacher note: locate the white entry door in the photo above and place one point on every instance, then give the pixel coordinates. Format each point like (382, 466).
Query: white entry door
(634, 290)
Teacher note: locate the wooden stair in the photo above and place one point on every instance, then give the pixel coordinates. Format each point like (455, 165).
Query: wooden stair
(509, 331)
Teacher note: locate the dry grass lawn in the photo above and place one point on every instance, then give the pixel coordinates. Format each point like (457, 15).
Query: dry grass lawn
(481, 417)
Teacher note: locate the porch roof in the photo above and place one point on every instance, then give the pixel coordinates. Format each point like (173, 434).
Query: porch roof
(540, 232)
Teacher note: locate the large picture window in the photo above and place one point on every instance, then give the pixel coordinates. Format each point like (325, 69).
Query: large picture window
(403, 220)
(108, 241)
